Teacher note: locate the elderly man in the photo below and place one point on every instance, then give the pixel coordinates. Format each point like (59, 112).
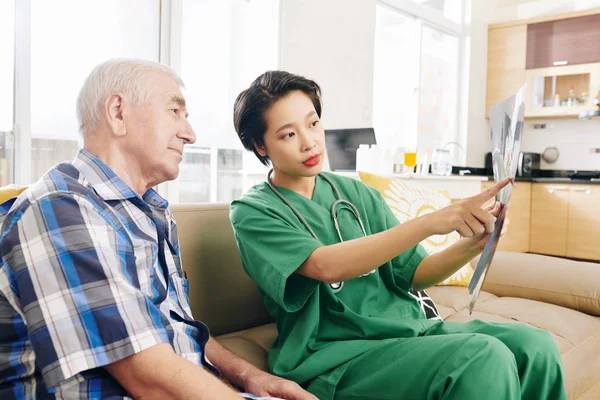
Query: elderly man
(92, 299)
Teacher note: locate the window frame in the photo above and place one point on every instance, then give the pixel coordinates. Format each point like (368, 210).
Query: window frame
(434, 19)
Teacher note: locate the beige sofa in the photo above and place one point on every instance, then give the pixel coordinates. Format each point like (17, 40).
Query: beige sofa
(558, 295)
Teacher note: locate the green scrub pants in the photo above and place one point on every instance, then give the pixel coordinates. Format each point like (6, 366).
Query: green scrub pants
(462, 361)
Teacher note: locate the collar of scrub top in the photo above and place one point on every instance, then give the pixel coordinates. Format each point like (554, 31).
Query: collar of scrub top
(337, 286)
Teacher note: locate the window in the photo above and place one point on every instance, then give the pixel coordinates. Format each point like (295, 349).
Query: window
(217, 47)
(64, 49)
(416, 82)
(451, 9)
(225, 45)
(7, 44)
(438, 94)
(396, 80)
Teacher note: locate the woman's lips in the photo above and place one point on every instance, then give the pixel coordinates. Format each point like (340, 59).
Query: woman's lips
(312, 161)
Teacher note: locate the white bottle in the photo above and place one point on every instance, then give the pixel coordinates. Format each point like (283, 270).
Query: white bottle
(398, 160)
(375, 159)
(362, 158)
(388, 161)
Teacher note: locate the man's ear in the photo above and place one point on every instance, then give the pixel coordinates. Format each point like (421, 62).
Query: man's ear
(261, 150)
(114, 111)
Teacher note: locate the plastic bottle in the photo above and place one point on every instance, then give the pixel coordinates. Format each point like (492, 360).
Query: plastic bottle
(375, 159)
(572, 101)
(362, 158)
(398, 160)
(441, 162)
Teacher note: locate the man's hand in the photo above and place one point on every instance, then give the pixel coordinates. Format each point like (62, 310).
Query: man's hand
(267, 385)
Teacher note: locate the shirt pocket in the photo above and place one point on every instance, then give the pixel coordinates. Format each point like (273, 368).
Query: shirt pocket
(400, 312)
(181, 287)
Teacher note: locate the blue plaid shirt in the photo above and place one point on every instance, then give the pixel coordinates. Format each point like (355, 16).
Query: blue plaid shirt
(89, 274)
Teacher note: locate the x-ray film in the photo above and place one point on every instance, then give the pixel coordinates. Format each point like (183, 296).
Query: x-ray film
(506, 126)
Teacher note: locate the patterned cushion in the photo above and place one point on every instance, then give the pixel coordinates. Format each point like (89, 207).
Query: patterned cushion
(10, 191)
(408, 201)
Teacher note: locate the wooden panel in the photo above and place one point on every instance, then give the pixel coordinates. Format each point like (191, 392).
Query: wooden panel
(549, 215)
(506, 63)
(545, 18)
(584, 222)
(519, 215)
(575, 40)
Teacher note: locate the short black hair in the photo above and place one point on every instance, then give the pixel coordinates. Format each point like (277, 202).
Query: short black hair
(250, 106)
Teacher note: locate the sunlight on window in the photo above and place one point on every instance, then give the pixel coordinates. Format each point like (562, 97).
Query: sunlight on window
(396, 78)
(438, 89)
(225, 45)
(64, 49)
(7, 44)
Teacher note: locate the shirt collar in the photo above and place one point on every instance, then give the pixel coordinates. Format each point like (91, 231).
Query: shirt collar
(106, 182)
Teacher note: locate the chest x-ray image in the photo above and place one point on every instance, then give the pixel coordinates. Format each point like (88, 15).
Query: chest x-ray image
(506, 126)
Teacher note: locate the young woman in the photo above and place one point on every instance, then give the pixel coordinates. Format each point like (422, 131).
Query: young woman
(339, 290)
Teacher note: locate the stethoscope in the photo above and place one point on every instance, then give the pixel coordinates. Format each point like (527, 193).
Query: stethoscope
(345, 204)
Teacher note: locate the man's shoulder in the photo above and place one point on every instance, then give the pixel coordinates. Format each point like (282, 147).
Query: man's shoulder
(60, 182)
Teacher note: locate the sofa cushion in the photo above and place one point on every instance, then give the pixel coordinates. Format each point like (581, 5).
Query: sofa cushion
(222, 295)
(576, 334)
(409, 200)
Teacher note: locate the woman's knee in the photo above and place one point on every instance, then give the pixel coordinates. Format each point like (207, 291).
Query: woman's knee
(481, 363)
(487, 349)
(525, 341)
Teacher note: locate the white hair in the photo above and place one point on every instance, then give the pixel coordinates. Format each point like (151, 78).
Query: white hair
(128, 76)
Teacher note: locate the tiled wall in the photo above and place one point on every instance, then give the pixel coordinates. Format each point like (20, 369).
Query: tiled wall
(576, 141)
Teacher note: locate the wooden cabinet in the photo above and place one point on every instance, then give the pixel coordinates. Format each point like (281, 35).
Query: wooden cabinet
(506, 63)
(519, 215)
(553, 56)
(545, 85)
(549, 216)
(565, 220)
(568, 41)
(583, 237)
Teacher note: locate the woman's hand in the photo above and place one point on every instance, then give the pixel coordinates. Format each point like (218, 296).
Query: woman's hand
(478, 242)
(467, 217)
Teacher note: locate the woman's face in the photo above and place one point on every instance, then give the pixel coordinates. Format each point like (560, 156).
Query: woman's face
(294, 140)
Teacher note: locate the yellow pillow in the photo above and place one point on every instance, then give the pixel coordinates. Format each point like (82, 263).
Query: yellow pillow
(10, 191)
(408, 201)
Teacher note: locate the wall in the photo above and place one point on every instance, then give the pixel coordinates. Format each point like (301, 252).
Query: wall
(332, 42)
(574, 138)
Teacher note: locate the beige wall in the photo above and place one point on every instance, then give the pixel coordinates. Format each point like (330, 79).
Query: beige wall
(333, 42)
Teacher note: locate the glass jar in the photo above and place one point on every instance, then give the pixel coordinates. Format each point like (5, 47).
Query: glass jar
(441, 162)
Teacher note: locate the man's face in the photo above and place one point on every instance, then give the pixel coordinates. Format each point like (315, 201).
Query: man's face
(158, 130)
(294, 140)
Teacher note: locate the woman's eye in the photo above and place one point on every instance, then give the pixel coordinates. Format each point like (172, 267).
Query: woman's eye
(288, 135)
(175, 110)
(314, 123)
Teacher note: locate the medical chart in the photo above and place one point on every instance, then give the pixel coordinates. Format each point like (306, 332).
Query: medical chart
(506, 126)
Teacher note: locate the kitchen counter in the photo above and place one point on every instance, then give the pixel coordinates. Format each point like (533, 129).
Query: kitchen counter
(457, 186)
(555, 180)
(454, 177)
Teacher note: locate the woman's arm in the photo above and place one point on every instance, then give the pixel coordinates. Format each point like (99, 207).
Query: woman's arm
(439, 266)
(348, 260)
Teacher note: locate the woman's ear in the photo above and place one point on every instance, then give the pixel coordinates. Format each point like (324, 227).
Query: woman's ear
(260, 149)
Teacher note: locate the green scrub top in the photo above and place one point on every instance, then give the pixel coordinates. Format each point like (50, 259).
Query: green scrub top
(320, 331)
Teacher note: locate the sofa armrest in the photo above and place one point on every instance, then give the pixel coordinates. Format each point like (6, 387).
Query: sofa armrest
(567, 283)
